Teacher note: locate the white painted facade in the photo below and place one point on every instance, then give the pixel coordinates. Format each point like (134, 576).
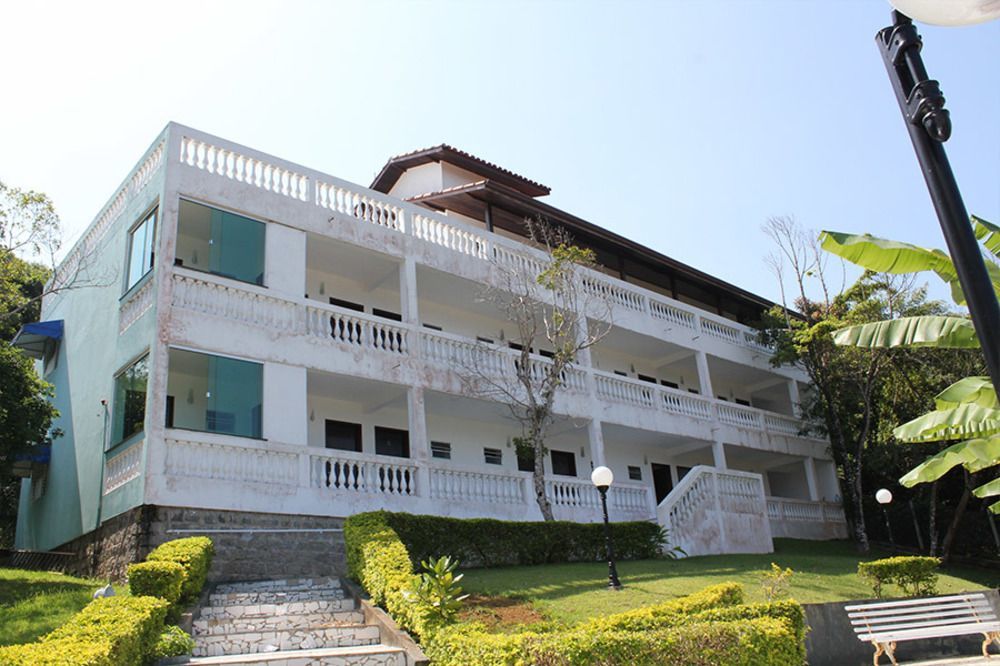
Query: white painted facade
(753, 474)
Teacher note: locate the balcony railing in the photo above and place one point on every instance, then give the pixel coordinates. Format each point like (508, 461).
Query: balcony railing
(253, 305)
(284, 179)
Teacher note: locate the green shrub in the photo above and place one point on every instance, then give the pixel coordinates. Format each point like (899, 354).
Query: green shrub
(755, 642)
(113, 631)
(775, 583)
(437, 591)
(915, 576)
(787, 610)
(157, 579)
(664, 614)
(195, 555)
(482, 542)
(173, 642)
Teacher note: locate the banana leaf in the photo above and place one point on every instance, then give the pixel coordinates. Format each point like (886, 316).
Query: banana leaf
(962, 422)
(988, 234)
(973, 454)
(926, 331)
(988, 490)
(973, 390)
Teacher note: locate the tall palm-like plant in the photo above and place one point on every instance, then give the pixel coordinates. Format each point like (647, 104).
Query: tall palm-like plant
(967, 410)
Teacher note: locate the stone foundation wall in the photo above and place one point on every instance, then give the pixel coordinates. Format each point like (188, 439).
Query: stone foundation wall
(255, 546)
(248, 546)
(107, 551)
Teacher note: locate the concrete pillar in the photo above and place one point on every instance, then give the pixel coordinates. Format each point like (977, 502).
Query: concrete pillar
(408, 291)
(596, 436)
(286, 409)
(704, 379)
(719, 454)
(810, 466)
(420, 446)
(285, 260)
(793, 395)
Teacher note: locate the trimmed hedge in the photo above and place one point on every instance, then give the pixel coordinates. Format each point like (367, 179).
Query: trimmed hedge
(113, 631)
(669, 613)
(914, 575)
(757, 642)
(483, 542)
(157, 579)
(195, 555)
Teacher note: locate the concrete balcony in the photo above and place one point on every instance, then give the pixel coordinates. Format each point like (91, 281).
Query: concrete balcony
(216, 314)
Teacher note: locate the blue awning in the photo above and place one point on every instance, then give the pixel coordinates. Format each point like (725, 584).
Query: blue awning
(35, 338)
(26, 461)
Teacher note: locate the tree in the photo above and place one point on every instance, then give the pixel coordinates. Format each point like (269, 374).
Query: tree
(549, 301)
(968, 409)
(847, 384)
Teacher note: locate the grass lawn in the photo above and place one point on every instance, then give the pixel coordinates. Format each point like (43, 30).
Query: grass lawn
(33, 603)
(824, 571)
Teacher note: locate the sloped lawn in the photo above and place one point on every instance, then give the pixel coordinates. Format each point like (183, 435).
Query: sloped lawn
(33, 603)
(824, 571)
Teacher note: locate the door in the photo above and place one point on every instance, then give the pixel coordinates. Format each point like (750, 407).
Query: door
(662, 483)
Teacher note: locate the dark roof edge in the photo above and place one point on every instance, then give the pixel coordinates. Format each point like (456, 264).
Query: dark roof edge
(396, 166)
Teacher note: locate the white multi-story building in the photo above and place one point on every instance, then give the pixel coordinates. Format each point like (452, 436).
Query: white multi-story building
(276, 345)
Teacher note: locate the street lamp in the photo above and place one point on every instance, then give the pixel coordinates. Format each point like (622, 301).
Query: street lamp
(928, 122)
(883, 497)
(602, 477)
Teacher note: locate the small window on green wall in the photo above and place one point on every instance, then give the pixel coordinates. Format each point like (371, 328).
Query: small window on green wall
(215, 393)
(220, 242)
(140, 250)
(130, 401)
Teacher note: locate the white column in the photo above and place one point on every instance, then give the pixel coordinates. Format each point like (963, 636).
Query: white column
(285, 260)
(420, 447)
(408, 291)
(719, 454)
(810, 466)
(704, 379)
(793, 395)
(596, 436)
(286, 409)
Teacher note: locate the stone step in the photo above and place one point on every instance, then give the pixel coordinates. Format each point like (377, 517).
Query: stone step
(295, 639)
(366, 655)
(276, 622)
(278, 584)
(275, 596)
(224, 611)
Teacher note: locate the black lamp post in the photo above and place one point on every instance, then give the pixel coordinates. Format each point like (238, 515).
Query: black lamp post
(883, 497)
(929, 125)
(602, 477)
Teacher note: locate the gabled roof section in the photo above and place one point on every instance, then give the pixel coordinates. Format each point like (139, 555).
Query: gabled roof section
(395, 167)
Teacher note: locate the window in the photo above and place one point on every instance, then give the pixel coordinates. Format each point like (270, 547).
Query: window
(387, 314)
(129, 409)
(220, 242)
(433, 327)
(392, 442)
(634, 473)
(525, 462)
(740, 401)
(215, 393)
(621, 373)
(343, 436)
(347, 305)
(694, 390)
(493, 456)
(140, 250)
(480, 338)
(647, 378)
(441, 450)
(563, 463)
(546, 353)
(669, 384)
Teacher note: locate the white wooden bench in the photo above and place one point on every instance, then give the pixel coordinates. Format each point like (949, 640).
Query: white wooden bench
(886, 623)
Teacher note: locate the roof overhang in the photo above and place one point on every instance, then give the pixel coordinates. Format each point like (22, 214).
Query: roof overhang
(509, 209)
(28, 461)
(37, 338)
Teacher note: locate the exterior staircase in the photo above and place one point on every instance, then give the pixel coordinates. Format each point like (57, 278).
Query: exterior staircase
(714, 511)
(292, 622)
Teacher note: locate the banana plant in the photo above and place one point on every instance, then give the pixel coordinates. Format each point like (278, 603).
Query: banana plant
(967, 410)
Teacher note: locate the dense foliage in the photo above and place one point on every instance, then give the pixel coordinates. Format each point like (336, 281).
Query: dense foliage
(195, 555)
(482, 542)
(112, 631)
(157, 579)
(915, 576)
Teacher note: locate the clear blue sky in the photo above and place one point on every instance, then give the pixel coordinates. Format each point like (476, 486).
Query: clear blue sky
(683, 125)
